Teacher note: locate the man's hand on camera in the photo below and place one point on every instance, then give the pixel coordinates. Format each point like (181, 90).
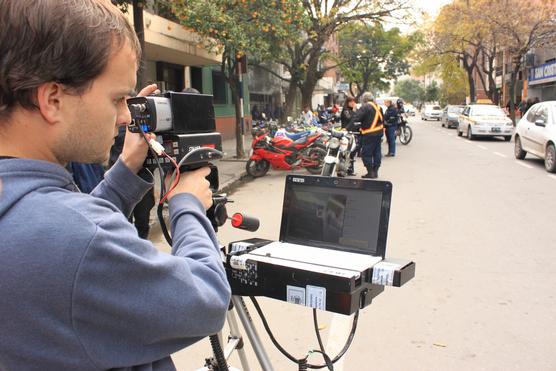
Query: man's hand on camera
(148, 90)
(194, 182)
(135, 148)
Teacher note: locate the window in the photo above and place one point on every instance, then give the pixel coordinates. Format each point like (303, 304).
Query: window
(197, 78)
(172, 74)
(541, 114)
(531, 114)
(219, 88)
(488, 111)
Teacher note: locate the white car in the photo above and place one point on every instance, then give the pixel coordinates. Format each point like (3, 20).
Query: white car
(431, 112)
(484, 120)
(409, 109)
(536, 134)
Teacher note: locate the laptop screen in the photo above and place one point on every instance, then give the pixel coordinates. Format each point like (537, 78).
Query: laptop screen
(336, 213)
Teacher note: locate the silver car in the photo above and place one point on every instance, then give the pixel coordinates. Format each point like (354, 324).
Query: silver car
(450, 116)
(431, 112)
(536, 134)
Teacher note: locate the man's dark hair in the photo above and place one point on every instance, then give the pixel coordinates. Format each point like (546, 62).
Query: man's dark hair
(64, 41)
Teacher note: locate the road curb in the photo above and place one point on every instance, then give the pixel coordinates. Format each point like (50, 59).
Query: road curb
(234, 183)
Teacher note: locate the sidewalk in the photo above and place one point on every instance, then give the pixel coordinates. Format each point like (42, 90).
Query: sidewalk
(231, 170)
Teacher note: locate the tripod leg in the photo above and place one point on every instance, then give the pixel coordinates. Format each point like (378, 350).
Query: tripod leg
(240, 346)
(252, 334)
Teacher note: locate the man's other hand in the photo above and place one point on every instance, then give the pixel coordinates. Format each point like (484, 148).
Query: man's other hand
(194, 182)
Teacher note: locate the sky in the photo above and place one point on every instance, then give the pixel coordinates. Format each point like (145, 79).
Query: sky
(431, 6)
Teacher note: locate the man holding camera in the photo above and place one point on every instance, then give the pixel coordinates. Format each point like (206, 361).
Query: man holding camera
(80, 290)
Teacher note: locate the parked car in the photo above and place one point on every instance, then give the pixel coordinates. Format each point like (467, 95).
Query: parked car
(431, 112)
(536, 134)
(409, 109)
(484, 120)
(450, 116)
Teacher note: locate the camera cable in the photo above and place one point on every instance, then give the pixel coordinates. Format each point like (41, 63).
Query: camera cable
(303, 362)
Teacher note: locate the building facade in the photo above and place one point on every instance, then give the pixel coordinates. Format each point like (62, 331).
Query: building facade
(176, 59)
(541, 74)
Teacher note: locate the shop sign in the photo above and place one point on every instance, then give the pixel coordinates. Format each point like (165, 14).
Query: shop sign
(543, 72)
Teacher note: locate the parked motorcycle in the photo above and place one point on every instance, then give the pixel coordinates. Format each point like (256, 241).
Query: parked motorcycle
(337, 159)
(284, 154)
(404, 132)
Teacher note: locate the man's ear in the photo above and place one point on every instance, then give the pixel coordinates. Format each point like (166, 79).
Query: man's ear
(49, 101)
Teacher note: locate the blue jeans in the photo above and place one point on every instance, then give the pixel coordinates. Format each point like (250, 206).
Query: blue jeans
(391, 137)
(370, 150)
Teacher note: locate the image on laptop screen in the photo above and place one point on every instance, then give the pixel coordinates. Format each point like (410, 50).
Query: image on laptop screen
(324, 214)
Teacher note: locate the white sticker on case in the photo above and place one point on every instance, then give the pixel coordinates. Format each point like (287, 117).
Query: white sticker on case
(295, 295)
(316, 297)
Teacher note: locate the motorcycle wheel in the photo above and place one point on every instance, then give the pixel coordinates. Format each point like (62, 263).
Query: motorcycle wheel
(317, 154)
(257, 168)
(406, 135)
(327, 170)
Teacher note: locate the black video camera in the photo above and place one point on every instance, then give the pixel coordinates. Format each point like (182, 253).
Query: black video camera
(184, 124)
(185, 127)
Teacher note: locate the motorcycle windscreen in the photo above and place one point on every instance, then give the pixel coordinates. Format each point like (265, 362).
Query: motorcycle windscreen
(335, 213)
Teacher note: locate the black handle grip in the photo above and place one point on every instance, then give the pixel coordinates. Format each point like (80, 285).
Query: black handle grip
(247, 223)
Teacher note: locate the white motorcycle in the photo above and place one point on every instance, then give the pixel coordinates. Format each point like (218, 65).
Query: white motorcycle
(339, 147)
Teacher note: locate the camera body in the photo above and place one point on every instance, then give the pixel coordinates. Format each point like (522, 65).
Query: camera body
(183, 123)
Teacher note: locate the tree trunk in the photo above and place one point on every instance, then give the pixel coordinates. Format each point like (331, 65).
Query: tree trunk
(240, 148)
(307, 90)
(140, 31)
(513, 78)
(290, 98)
(471, 82)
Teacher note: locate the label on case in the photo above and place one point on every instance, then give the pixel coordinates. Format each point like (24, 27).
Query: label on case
(238, 262)
(383, 273)
(316, 297)
(295, 295)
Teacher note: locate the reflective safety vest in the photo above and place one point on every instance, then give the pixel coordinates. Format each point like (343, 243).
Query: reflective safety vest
(376, 125)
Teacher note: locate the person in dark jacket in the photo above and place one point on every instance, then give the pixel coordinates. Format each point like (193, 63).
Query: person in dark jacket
(350, 106)
(86, 176)
(372, 125)
(347, 111)
(255, 114)
(391, 122)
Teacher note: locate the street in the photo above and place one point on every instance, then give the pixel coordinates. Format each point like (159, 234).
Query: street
(477, 223)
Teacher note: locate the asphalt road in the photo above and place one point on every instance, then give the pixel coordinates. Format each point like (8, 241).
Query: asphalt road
(480, 226)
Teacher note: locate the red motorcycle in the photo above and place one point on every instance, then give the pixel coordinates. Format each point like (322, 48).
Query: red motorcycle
(284, 154)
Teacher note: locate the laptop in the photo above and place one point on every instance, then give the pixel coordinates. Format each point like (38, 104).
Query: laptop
(339, 223)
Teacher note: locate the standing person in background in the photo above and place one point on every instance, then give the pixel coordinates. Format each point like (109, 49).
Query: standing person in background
(529, 104)
(255, 114)
(523, 107)
(268, 112)
(347, 112)
(307, 115)
(372, 125)
(86, 176)
(391, 122)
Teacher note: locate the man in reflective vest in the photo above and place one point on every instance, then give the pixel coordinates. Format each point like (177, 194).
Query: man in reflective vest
(372, 126)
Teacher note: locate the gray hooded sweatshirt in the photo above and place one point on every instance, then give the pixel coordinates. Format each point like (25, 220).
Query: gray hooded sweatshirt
(79, 290)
